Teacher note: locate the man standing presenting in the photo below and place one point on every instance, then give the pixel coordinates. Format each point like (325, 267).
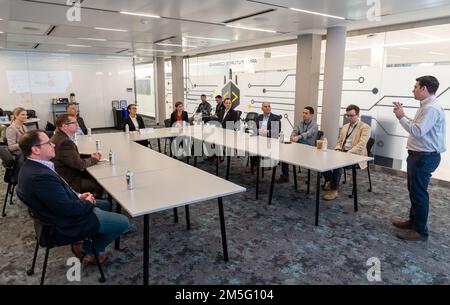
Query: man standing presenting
(425, 144)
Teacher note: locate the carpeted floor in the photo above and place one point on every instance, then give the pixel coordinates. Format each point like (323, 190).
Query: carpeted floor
(276, 244)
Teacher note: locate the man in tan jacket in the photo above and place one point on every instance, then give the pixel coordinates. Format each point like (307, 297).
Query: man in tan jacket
(353, 139)
(69, 163)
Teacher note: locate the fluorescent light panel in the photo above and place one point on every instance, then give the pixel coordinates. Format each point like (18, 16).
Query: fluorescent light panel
(110, 29)
(151, 50)
(140, 14)
(206, 38)
(251, 29)
(78, 46)
(93, 39)
(316, 13)
(175, 45)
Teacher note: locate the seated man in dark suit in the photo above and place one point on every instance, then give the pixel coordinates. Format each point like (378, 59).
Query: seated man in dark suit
(72, 109)
(134, 122)
(228, 117)
(69, 163)
(267, 125)
(75, 216)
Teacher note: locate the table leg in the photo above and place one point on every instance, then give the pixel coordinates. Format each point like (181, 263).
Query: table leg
(294, 170)
(257, 177)
(217, 165)
(175, 215)
(317, 198)
(146, 249)
(188, 218)
(159, 145)
(228, 167)
(309, 183)
(355, 188)
(118, 211)
(274, 170)
(222, 229)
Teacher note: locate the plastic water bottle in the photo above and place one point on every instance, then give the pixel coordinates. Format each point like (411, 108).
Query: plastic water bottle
(127, 128)
(112, 158)
(98, 145)
(89, 132)
(281, 137)
(130, 180)
(325, 144)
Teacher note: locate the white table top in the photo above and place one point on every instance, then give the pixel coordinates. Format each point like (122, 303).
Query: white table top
(168, 188)
(302, 155)
(129, 156)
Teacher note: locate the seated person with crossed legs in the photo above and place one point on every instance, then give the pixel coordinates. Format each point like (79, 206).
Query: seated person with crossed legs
(353, 139)
(75, 216)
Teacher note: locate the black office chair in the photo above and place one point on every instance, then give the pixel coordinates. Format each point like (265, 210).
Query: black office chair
(239, 114)
(10, 176)
(45, 238)
(7, 113)
(251, 116)
(369, 146)
(50, 127)
(31, 114)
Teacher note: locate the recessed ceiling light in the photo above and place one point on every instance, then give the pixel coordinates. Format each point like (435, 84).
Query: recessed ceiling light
(436, 53)
(140, 14)
(252, 29)
(2, 32)
(151, 50)
(175, 45)
(403, 48)
(93, 39)
(206, 38)
(78, 45)
(316, 13)
(110, 29)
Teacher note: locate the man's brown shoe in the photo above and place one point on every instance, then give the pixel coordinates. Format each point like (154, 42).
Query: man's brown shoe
(411, 235)
(404, 225)
(76, 249)
(331, 195)
(327, 187)
(283, 179)
(90, 259)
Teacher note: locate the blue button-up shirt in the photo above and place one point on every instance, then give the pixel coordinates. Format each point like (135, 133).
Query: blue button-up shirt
(427, 129)
(307, 132)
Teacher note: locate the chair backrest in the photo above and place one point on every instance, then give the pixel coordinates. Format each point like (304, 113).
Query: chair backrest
(7, 113)
(50, 127)
(251, 116)
(167, 123)
(44, 230)
(31, 114)
(239, 114)
(369, 146)
(7, 157)
(320, 134)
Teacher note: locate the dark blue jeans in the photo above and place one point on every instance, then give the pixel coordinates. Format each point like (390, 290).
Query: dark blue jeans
(112, 225)
(419, 173)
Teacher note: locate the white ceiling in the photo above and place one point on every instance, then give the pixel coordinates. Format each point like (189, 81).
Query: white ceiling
(26, 23)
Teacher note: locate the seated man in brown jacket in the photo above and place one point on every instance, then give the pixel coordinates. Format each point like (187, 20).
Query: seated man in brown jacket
(69, 163)
(353, 139)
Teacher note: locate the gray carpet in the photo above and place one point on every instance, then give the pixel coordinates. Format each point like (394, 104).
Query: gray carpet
(276, 244)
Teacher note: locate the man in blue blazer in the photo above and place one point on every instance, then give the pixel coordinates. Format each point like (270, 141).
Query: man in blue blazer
(75, 216)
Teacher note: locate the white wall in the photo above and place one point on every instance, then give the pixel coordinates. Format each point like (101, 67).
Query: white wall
(31, 80)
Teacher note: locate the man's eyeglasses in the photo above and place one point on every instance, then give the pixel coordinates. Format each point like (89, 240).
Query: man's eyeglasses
(49, 142)
(74, 122)
(350, 115)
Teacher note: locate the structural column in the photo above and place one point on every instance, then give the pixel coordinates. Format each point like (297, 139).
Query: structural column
(160, 91)
(177, 79)
(332, 87)
(308, 73)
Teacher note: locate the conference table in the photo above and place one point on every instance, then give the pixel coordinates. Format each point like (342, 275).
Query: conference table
(229, 143)
(33, 121)
(155, 178)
